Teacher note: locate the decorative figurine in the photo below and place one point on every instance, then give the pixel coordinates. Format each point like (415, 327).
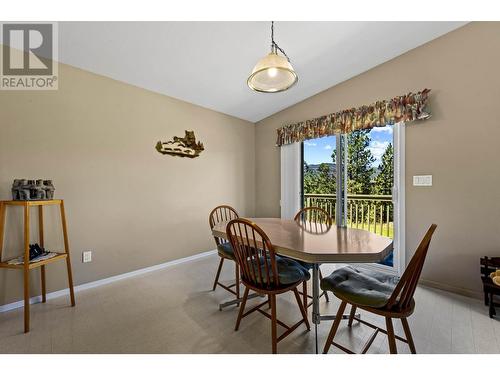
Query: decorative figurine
(36, 250)
(21, 190)
(25, 190)
(49, 189)
(15, 189)
(31, 186)
(38, 192)
(184, 147)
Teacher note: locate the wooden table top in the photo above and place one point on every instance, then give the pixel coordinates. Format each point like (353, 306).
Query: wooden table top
(318, 243)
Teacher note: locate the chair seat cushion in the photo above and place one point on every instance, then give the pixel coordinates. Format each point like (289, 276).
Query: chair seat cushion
(226, 250)
(361, 287)
(289, 271)
(306, 265)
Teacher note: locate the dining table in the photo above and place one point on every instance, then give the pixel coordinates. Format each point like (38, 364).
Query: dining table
(318, 243)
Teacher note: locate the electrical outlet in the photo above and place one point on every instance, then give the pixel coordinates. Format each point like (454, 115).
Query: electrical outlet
(422, 180)
(87, 256)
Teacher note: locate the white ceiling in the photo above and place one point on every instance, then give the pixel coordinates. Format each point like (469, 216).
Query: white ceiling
(207, 63)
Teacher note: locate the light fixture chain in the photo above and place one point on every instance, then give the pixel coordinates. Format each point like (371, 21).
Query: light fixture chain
(275, 45)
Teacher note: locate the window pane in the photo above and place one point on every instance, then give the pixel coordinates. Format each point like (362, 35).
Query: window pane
(370, 176)
(319, 174)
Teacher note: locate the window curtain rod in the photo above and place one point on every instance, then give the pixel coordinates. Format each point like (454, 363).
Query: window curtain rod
(409, 107)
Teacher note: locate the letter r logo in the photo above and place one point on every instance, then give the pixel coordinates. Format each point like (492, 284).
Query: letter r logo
(27, 49)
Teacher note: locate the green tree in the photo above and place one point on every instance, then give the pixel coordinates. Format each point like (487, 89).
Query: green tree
(385, 177)
(359, 163)
(326, 179)
(310, 180)
(320, 181)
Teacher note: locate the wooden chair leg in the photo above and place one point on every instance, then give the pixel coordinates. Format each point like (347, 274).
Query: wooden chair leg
(351, 316)
(335, 327)
(218, 273)
(409, 338)
(302, 309)
(327, 298)
(237, 281)
(242, 308)
(274, 328)
(390, 336)
(304, 295)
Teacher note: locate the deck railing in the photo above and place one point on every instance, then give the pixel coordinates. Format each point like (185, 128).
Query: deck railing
(370, 212)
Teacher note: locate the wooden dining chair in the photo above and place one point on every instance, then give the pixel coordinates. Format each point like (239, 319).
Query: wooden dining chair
(219, 214)
(265, 273)
(379, 293)
(315, 220)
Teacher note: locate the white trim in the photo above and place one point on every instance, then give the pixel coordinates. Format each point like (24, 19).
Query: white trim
(291, 195)
(400, 200)
(108, 280)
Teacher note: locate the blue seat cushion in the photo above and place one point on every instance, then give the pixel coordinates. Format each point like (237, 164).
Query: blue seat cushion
(388, 260)
(289, 271)
(226, 250)
(361, 287)
(306, 265)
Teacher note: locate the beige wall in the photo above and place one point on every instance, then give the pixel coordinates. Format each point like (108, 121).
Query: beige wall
(130, 205)
(459, 146)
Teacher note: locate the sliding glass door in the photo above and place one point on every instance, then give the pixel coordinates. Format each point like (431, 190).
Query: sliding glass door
(357, 179)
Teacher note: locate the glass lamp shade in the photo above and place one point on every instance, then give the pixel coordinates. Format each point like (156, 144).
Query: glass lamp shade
(273, 73)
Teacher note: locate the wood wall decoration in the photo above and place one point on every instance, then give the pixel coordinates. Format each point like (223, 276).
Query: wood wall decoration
(183, 147)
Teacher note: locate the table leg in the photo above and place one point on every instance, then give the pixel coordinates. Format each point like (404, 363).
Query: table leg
(315, 312)
(316, 316)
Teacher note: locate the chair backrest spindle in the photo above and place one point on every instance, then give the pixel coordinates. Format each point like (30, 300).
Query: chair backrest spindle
(313, 215)
(220, 214)
(313, 218)
(254, 253)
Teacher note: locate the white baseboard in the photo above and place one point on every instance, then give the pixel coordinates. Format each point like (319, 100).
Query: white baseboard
(453, 289)
(108, 280)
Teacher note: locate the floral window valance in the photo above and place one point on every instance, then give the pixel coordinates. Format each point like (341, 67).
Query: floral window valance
(406, 108)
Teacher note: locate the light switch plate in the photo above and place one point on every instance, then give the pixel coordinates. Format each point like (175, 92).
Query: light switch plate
(87, 256)
(422, 180)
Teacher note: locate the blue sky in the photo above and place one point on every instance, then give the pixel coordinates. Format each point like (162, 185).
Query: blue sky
(319, 150)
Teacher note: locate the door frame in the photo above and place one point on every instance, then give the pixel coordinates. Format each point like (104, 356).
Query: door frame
(398, 197)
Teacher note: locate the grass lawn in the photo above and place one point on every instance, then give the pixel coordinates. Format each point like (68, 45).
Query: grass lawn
(387, 232)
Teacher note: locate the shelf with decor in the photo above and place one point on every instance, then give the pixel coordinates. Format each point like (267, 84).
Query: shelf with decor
(24, 263)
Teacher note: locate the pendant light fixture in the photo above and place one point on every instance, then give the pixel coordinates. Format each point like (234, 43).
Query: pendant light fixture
(273, 73)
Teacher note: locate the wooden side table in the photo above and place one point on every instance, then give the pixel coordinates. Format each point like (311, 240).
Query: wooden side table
(26, 266)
